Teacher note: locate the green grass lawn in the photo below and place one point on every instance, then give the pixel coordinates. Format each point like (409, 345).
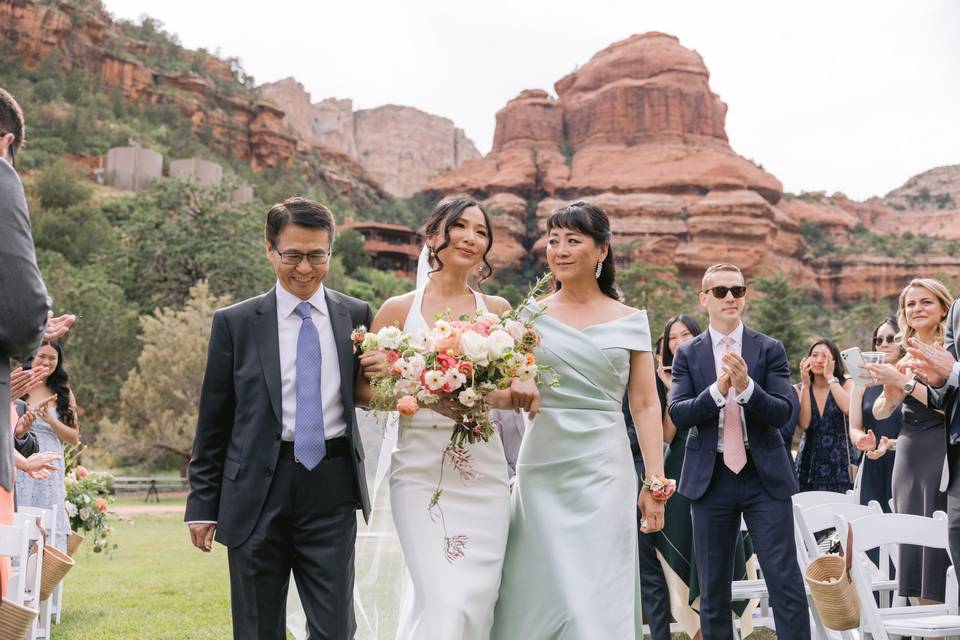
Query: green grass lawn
(154, 586)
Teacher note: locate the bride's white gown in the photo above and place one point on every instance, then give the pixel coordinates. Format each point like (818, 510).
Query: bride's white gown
(448, 599)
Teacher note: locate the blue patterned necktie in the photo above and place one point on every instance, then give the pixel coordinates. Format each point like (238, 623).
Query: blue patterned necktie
(309, 444)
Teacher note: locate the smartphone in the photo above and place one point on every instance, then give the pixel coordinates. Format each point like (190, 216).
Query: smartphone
(852, 359)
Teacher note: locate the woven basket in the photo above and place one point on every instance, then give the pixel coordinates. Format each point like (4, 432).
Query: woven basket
(15, 621)
(834, 593)
(73, 542)
(56, 564)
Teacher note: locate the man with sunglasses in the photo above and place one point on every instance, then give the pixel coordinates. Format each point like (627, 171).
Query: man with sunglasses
(23, 296)
(731, 388)
(277, 469)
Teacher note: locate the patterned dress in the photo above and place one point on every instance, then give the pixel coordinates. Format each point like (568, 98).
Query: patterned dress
(48, 493)
(825, 450)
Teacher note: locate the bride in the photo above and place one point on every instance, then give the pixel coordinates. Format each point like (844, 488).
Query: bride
(454, 593)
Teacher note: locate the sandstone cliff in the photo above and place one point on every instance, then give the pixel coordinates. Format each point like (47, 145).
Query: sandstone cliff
(400, 147)
(638, 130)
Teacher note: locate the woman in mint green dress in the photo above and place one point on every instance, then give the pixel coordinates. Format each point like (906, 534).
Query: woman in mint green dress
(571, 566)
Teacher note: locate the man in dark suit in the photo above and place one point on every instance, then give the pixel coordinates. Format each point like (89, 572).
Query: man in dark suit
(277, 469)
(941, 369)
(731, 388)
(23, 296)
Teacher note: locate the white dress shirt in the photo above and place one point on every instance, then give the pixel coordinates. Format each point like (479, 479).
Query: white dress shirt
(742, 398)
(288, 330)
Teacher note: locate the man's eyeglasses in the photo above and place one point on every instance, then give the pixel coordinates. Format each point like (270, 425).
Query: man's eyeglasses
(879, 340)
(293, 257)
(721, 292)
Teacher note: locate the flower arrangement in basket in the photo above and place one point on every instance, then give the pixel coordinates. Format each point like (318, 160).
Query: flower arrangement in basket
(87, 504)
(457, 362)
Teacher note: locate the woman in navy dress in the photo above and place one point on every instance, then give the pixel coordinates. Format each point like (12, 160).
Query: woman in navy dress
(825, 451)
(866, 431)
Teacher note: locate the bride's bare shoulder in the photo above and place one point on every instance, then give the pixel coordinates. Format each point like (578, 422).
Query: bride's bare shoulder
(394, 310)
(496, 304)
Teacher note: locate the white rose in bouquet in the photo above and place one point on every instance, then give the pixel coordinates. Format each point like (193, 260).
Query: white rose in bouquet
(468, 397)
(369, 342)
(498, 343)
(415, 365)
(71, 509)
(407, 387)
(474, 348)
(85, 513)
(389, 337)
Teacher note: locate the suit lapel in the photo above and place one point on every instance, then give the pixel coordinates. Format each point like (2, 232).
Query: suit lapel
(750, 351)
(704, 353)
(268, 347)
(340, 323)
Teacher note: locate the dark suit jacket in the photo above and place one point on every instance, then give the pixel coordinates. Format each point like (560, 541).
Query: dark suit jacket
(23, 301)
(768, 410)
(237, 445)
(948, 399)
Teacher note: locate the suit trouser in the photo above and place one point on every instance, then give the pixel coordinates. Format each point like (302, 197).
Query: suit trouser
(654, 597)
(953, 504)
(308, 525)
(716, 528)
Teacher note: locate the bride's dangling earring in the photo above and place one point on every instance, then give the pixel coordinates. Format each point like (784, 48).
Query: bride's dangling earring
(599, 269)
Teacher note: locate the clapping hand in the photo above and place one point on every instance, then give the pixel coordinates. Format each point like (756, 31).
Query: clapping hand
(867, 442)
(23, 381)
(39, 465)
(885, 445)
(933, 362)
(736, 369)
(58, 327)
(24, 423)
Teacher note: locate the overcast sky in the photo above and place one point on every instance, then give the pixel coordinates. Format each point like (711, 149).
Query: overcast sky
(853, 96)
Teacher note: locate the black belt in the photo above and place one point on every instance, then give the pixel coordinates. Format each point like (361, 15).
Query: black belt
(336, 448)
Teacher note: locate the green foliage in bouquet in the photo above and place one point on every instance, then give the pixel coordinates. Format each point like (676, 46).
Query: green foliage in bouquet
(87, 504)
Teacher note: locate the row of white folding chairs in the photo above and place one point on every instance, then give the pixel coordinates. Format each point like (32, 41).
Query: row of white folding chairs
(24, 582)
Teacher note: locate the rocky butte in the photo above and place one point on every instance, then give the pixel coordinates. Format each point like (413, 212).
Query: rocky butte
(400, 147)
(638, 130)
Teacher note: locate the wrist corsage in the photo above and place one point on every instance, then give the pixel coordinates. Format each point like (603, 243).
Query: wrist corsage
(660, 487)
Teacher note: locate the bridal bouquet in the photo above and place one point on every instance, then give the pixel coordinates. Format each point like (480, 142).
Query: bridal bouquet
(457, 363)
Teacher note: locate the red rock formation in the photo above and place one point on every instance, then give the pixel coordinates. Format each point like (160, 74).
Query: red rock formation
(638, 131)
(401, 147)
(86, 37)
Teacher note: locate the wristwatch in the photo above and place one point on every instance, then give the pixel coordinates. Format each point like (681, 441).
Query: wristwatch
(833, 380)
(909, 386)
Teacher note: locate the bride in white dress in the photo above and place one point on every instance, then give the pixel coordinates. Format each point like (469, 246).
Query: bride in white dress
(453, 595)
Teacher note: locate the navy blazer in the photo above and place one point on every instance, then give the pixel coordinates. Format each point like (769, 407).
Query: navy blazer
(767, 413)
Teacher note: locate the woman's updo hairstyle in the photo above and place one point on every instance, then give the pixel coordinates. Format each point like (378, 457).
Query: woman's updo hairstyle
(448, 211)
(589, 219)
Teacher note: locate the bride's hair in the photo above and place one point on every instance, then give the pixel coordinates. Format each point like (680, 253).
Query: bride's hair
(448, 211)
(589, 219)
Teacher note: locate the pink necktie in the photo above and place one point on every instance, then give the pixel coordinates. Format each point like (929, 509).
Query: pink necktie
(734, 453)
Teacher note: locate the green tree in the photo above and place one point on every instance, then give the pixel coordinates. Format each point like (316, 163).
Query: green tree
(349, 246)
(158, 403)
(657, 289)
(781, 313)
(102, 346)
(61, 186)
(78, 233)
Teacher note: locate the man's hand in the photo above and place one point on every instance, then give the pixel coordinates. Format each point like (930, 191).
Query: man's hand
(736, 368)
(723, 382)
(201, 535)
(651, 512)
(932, 361)
(58, 327)
(39, 465)
(23, 381)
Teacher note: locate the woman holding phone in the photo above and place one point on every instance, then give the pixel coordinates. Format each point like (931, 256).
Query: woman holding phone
(866, 431)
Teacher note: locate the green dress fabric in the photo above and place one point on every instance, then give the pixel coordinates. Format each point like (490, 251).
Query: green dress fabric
(571, 566)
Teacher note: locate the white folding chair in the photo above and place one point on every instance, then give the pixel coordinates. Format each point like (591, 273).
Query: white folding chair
(48, 519)
(871, 532)
(807, 499)
(27, 571)
(14, 543)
